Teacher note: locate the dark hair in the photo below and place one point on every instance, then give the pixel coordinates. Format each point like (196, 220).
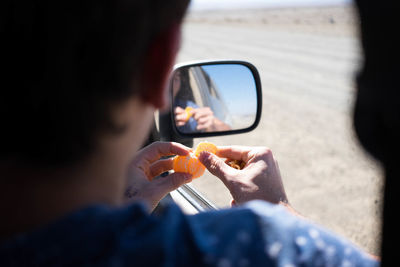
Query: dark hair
(185, 92)
(67, 63)
(377, 109)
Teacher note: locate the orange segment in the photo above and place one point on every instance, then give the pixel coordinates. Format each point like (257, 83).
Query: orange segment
(189, 112)
(205, 146)
(195, 168)
(179, 163)
(188, 164)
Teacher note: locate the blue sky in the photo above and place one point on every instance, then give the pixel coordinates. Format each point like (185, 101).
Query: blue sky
(227, 4)
(236, 86)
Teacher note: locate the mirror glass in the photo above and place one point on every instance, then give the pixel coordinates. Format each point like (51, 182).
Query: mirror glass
(213, 98)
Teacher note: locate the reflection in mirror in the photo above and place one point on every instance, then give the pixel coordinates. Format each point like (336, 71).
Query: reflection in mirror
(214, 98)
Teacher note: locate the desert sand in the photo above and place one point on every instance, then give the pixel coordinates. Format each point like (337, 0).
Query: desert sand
(307, 59)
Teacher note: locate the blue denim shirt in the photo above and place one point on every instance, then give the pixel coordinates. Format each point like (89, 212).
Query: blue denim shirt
(256, 234)
(191, 125)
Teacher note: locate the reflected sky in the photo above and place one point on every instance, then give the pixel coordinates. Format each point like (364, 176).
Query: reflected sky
(236, 85)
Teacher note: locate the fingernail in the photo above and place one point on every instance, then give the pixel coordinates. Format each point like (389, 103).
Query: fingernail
(203, 155)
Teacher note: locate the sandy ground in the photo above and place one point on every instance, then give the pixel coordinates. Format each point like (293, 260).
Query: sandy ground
(307, 59)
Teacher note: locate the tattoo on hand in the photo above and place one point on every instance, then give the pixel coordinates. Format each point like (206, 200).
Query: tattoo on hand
(130, 192)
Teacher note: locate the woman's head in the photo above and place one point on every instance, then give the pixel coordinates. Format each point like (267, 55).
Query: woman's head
(68, 65)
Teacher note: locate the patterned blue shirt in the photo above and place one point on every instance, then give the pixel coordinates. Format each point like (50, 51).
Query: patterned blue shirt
(256, 234)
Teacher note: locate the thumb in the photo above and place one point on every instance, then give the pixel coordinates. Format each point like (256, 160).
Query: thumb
(215, 165)
(173, 181)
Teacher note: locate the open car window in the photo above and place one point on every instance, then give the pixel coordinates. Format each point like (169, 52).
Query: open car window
(307, 59)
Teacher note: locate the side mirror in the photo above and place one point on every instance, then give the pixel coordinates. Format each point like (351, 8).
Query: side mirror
(215, 98)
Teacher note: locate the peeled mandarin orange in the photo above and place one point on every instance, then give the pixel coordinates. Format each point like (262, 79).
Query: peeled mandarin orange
(188, 164)
(189, 112)
(205, 146)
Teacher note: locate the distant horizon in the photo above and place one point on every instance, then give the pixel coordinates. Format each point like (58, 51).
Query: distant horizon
(202, 5)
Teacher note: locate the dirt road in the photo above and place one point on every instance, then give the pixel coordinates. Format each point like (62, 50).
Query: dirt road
(307, 72)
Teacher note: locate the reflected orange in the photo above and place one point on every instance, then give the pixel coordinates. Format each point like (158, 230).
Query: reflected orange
(189, 112)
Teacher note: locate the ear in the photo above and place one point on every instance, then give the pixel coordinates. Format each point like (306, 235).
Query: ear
(158, 65)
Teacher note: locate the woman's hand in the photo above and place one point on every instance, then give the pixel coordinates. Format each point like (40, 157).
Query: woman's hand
(204, 117)
(180, 116)
(144, 182)
(259, 179)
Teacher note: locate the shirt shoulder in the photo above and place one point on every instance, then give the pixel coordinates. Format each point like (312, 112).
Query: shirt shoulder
(257, 234)
(292, 241)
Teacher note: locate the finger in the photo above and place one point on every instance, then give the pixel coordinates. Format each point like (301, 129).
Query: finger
(199, 113)
(205, 120)
(216, 166)
(173, 181)
(180, 123)
(180, 117)
(197, 116)
(156, 150)
(179, 110)
(160, 167)
(234, 152)
(204, 126)
(201, 127)
(204, 110)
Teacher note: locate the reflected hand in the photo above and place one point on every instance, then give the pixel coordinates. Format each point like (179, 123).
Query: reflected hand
(181, 116)
(204, 117)
(143, 183)
(259, 179)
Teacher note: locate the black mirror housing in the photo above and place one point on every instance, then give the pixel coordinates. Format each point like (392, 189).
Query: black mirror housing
(214, 98)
